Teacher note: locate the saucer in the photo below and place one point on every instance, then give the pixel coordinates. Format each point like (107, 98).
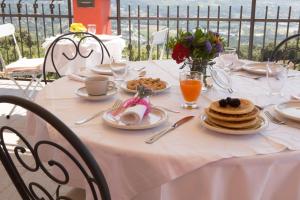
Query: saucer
(81, 92)
(103, 69)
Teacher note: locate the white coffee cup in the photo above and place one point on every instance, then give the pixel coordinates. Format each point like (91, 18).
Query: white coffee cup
(98, 85)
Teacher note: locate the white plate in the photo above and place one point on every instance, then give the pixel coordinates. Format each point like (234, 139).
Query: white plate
(256, 68)
(102, 69)
(124, 87)
(289, 109)
(81, 92)
(155, 118)
(264, 124)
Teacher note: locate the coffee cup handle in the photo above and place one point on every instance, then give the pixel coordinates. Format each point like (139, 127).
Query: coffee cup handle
(111, 84)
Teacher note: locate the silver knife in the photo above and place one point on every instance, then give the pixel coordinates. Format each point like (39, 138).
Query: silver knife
(167, 130)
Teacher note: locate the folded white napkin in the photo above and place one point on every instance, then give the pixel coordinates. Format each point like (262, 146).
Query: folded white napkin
(133, 115)
(76, 77)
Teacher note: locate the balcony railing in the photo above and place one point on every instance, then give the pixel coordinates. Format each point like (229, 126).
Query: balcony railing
(251, 33)
(135, 23)
(34, 22)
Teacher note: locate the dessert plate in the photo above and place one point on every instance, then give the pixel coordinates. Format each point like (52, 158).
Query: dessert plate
(289, 109)
(124, 87)
(256, 68)
(263, 124)
(102, 69)
(81, 92)
(155, 118)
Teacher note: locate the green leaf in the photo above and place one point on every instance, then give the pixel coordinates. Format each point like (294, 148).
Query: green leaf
(198, 33)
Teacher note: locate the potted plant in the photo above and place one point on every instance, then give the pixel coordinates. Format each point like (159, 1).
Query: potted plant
(196, 50)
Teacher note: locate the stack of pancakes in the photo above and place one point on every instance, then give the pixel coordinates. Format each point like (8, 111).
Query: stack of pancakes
(245, 116)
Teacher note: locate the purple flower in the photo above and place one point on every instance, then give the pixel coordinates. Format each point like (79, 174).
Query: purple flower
(208, 46)
(189, 38)
(219, 47)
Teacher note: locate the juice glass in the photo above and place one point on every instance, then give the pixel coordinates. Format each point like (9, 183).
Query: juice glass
(228, 57)
(119, 68)
(92, 28)
(276, 77)
(190, 85)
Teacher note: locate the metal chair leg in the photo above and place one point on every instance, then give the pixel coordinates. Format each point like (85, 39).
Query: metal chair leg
(11, 112)
(25, 91)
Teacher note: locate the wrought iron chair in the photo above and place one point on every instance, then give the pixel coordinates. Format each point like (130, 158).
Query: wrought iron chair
(80, 157)
(159, 38)
(75, 39)
(288, 51)
(22, 67)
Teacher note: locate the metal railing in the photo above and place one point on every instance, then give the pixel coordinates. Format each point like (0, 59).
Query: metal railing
(41, 19)
(132, 22)
(34, 22)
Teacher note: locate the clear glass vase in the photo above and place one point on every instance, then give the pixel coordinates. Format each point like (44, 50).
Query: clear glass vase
(199, 66)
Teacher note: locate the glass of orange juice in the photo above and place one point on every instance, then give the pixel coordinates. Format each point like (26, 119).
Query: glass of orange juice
(190, 85)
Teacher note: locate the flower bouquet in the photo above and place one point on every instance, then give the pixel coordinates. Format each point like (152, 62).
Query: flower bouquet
(77, 28)
(196, 50)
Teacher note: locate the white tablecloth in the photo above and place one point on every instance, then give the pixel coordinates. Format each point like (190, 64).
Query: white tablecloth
(114, 44)
(182, 164)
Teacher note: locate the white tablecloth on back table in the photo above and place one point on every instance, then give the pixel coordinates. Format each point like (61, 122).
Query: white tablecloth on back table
(114, 45)
(182, 164)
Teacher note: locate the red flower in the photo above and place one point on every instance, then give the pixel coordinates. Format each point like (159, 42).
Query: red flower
(180, 53)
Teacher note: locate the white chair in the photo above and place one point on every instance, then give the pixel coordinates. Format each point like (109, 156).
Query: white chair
(159, 38)
(21, 67)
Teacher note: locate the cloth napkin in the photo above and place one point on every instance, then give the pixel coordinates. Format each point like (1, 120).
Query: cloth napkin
(76, 77)
(133, 115)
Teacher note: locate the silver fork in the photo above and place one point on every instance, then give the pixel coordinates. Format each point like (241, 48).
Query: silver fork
(274, 119)
(115, 106)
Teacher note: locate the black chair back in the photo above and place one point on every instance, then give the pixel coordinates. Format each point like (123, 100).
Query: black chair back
(75, 39)
(288, 51)
(81, 158)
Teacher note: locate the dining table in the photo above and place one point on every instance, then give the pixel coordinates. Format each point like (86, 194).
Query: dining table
(191, 162)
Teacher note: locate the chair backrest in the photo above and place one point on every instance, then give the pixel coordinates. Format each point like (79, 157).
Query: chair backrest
(55, 55)
(9, 30)
(288, 51)
(159, 38)
(72, 149)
